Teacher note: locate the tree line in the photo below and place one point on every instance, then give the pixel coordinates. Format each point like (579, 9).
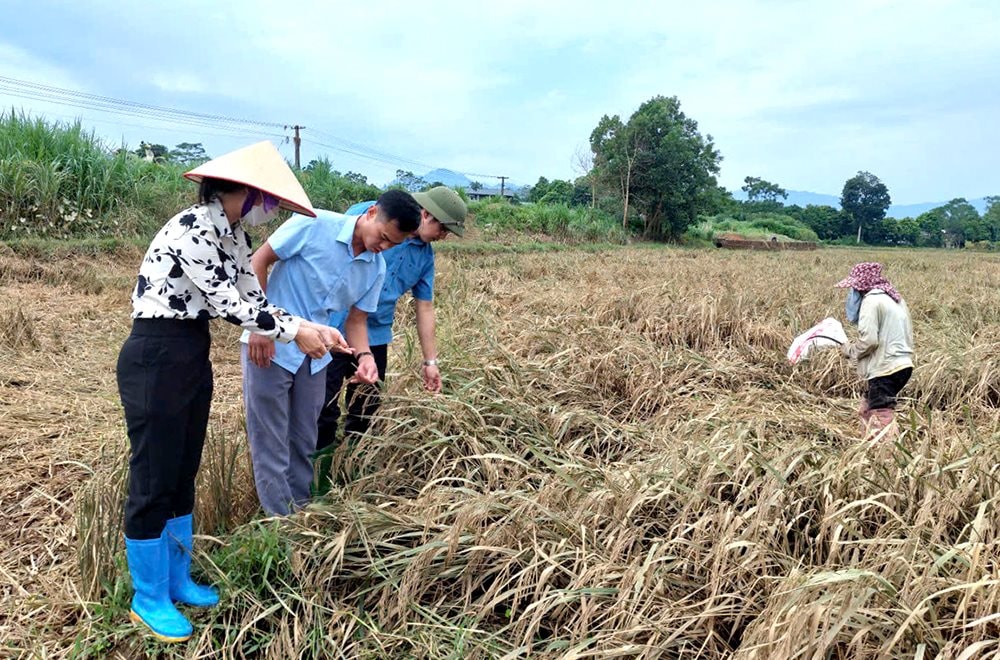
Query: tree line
(657, 173)
(652, 175)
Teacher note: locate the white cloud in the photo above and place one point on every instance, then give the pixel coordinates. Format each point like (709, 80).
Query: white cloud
(18, 63)
(179, 82)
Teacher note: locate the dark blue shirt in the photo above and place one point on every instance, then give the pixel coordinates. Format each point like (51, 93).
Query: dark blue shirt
(409, 266)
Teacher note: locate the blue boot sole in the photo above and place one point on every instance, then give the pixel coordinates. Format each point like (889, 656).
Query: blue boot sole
(135, 618)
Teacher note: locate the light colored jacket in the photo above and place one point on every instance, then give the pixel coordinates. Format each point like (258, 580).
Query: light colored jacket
(885, 336)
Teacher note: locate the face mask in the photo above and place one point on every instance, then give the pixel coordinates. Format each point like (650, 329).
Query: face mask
(262, 213)
(258, 216)
(852, 309)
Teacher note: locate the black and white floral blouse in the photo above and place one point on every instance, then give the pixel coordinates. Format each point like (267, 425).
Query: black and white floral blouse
(198, 267)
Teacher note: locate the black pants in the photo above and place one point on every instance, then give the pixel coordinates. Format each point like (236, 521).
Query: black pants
(362, 400)
(165, 384)
(882, 390)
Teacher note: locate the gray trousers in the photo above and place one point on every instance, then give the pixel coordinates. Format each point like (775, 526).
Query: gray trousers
(282, 409)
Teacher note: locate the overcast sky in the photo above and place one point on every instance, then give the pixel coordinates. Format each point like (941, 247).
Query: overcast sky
(803, 94)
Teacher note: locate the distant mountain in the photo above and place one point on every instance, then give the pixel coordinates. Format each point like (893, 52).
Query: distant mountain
(459, 180)
(448, 178)
(801, 198)
(805, 198)
(913, 210)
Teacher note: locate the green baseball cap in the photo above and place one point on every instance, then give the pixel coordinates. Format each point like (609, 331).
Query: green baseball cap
(446, 206)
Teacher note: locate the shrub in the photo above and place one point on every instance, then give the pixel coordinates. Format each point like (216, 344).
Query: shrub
(574, 223)
(58, 180)
(331, 190)
(761, 225)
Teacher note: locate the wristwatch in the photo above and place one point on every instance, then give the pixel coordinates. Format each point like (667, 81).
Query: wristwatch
(430, 363)
(358, 356)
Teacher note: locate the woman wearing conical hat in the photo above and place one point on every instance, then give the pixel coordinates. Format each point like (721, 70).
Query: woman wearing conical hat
(197, 268)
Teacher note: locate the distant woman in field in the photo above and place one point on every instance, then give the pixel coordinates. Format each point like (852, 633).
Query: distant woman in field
(197, 268)
(884, 347)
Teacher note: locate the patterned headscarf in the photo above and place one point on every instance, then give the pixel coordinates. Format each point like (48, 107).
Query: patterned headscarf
(867, 276)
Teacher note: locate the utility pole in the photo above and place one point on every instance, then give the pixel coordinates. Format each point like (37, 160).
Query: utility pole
(502, 179)
(298, 143)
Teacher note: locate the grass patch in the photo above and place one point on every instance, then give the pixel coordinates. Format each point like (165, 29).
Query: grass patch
(762, 226)
(566, 223)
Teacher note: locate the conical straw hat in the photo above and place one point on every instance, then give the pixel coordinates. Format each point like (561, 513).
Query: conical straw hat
(262, 167)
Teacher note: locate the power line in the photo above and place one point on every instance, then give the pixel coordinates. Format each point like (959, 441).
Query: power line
(14, 85)
(369, 156)
(392, 159)
(227, 132)
(121, 107)
(235, 125)
(121, 111)
(373, 153)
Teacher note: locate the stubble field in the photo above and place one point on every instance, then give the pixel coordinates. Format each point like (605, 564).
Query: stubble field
(622, 464)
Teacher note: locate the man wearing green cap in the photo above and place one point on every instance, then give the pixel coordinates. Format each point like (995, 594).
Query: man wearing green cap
(409, 267)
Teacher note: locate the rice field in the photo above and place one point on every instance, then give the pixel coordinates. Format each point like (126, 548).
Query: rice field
(622, 464)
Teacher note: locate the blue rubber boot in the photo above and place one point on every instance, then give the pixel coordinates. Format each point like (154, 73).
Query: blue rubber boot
(149, 566)
(179, 534)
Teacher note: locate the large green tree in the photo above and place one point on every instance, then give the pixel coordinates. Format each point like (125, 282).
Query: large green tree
(908, 231)
(961, 222)
(409, 181)
(614, 152)
(556, 191)
(189, 153)
(931, 225)
(583, 193)
(761, 190)
(538, 190)
(865, 199)
(825, 220)
(559, 192)
(763, 196)
(991, 218)
(659, 162)
(154, 153)
(892, 231)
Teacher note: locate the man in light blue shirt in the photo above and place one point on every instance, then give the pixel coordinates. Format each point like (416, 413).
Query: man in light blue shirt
(323, 266)
(409, 267)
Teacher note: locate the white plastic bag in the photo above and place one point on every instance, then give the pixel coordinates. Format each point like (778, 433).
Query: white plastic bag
(826, 333)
